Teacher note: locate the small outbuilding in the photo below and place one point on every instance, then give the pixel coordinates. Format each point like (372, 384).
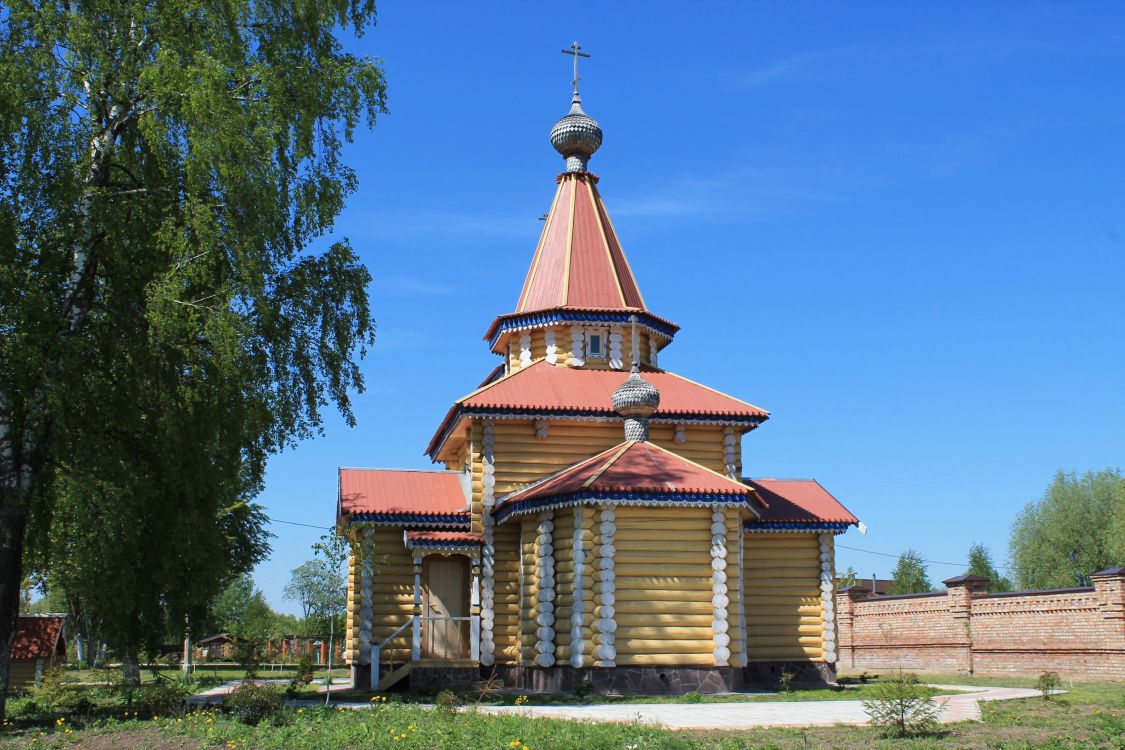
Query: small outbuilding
(38, 646)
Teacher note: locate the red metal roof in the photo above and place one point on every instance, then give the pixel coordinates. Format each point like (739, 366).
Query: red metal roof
(579, 261)
(447, 537)
(401, 491)
(799, 500)
(544, 388)
(633, 467)
(37, 636)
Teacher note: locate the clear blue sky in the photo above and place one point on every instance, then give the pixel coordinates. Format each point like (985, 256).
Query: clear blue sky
(900, 228)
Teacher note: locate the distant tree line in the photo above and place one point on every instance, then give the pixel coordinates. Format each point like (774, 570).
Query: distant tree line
(1075, 529)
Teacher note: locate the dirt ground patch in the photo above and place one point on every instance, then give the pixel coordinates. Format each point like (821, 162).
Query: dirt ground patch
(130, 739)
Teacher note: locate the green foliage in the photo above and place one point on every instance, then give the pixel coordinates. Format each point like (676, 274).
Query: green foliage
(164, 327)
(448, 702)
(251, 704)
(248, 654)
(786, 680)
(1075, 529)
(165, 698)
(320, 588)
(57, 692)
(1047, 683)
(909, 575)
(980, 564)
(848, 578)
(692, 696)
(901, 707)
(241, 610)
(305, 671)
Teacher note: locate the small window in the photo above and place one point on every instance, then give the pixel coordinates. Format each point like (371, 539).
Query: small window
(595, 344)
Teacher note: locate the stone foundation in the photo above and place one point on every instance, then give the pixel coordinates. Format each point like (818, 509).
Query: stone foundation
(617, 680)
(436, 679)
(808, 674)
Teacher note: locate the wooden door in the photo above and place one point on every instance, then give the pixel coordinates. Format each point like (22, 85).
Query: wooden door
(446, 595)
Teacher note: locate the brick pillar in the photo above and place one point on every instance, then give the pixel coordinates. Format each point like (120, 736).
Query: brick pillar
(846, 599)
(1109, 585)
(960, 603)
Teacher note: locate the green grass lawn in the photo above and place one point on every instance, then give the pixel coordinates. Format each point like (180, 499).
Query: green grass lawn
(1091, 715)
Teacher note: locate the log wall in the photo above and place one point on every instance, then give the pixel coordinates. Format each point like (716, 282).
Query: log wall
(783, 602)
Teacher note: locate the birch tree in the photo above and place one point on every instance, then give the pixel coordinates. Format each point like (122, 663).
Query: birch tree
(167, 170)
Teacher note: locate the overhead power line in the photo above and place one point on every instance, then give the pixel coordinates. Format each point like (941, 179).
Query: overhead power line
(297, 523)
(931, 562)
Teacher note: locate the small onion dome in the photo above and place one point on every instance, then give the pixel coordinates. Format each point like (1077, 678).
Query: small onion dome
(576, 136)
(636, 397)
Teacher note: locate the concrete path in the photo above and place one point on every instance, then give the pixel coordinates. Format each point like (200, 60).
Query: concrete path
(962, 707)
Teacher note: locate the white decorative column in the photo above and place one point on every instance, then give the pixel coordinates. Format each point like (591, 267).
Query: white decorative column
(577, 346)
(605, 626)
(652, 351)
(730, 451)
(744, 660)
(488, 551)
(474, 611)
(719, 599)
(578, 596)
(545, 558)
(416, 626)
(827, 605)
(552, 348)
(616, 360)
(525, 349)
(366, 599)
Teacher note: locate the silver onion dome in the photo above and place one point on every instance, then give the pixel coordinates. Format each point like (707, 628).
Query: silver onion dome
(635, 400)
(576, 136)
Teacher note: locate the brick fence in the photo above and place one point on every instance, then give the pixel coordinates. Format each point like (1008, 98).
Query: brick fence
(1075, 632)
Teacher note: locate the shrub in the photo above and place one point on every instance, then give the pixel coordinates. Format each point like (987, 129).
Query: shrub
(305, 671)
(1047, 683)
(786, 680)
(163, 699)
(583, 687)
(901, 707)
(448, 701)
(248, 656)
(54, 694)
(251, 703)
(692, 696)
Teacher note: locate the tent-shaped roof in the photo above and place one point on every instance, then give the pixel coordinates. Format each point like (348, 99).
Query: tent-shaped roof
(579, 261)
(37, 636)
(799, 500)
(544, 388)
(632, 469)
(404, 496)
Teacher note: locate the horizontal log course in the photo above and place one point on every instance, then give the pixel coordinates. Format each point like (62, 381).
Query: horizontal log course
(784, 654)
(662, 619)
(787, 620)
(662, 646)
(640, 590)
(677, 634)
(636, 523)
(795, 611)
(655, 558)
(642, 607)
(785, 641)
(665, 660)
(645, 570)
(772, 599)
(758, 630)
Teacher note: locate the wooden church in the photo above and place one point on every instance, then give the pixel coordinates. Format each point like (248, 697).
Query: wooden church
(592, 524)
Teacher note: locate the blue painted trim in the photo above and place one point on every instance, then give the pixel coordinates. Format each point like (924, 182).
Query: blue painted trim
(650, 499)
(435, 544)
(824, 527)
(577, 316)
(608, 413)
(413, 519)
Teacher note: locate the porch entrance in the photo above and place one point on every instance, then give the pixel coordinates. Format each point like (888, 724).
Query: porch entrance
(445, 607)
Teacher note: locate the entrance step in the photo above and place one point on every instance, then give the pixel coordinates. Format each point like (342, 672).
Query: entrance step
(395, 677)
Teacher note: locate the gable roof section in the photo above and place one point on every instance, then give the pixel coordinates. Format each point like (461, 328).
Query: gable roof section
(799, 501)
(403, 496)
(579, 261)
(544, 388)
(37, 636)
(631, 468)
